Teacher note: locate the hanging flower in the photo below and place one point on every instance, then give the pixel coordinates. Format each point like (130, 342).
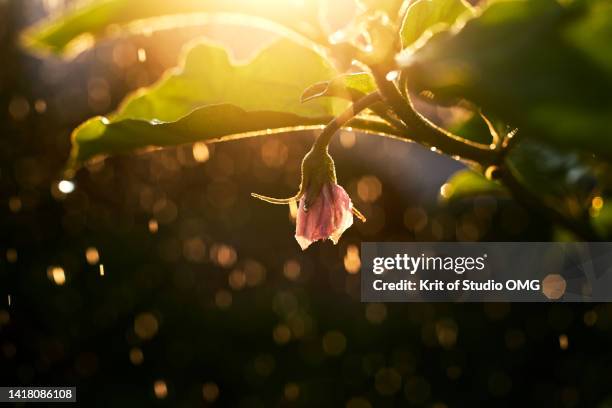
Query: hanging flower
(329, 215)
(325, 209)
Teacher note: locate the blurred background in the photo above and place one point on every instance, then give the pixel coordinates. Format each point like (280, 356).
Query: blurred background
(155, 280)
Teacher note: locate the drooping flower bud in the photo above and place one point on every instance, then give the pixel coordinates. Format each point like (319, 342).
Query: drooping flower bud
(325, 209)
(328, 216)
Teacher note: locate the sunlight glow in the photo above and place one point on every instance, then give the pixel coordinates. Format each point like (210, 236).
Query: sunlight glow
(66, 186)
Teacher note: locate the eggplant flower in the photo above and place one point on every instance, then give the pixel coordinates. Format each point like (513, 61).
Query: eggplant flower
(329, 215)
(325, 209)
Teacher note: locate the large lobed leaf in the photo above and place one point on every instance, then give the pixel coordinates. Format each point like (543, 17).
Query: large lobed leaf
(209, 97)
(98, 136)
(98, 18)
(542, 65)
(426, 15)
(273, 80)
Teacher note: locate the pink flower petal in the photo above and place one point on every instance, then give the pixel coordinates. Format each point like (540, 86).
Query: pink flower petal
(327, 217)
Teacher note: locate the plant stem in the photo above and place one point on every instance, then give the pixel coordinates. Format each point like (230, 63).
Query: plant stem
(417, 128)
(423, 131)
(336, 123)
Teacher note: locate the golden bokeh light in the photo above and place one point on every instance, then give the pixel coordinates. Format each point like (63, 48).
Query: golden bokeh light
(146, 326)
(293, 210)
(292, 392)
(160, 389)
(223, 255)
(11, 255)
(92, 255)
(210, 392)
(19, 108)
(274, 153)
(376, 313)
(40, 106)
(387, 381)
(142, 55)
(125, 54)
(255, 273)
(292, 270)
(352, 262)
(281, 334)
(66, 186)
(348, 139)
(334, 343)
(14, 204)
(369, 189)
(446, 333)
(563, 342)
(194, 250)
(200, 151)
(57, 275)
(590, 318)
(223, 299)
(553, 286)
(136, 356)
(153, 226)
(237, 279)
(597, 203)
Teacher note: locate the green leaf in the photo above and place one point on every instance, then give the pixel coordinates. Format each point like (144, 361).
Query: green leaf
(273, 80)
(563, 179)
(473, 128)
(94, 19)
(347, 86)
(468, 183)
(181, 107)
(425, 15)
(210, 123)
(530, 64)
(551, 172)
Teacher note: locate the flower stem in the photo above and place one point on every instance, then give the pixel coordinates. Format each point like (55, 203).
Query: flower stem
(335, 124)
